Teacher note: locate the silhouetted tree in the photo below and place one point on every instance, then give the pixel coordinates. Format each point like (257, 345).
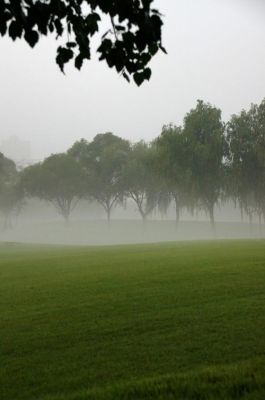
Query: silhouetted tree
(132, 40)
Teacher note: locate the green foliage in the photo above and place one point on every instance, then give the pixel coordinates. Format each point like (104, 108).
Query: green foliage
(156, 321)
(103, 160)
(130, 44)
(205, 148)
(141, 182)
(11, 192)
(246, 138)
(198, 166)
(173, 168)
(7, 169)
(58, 179)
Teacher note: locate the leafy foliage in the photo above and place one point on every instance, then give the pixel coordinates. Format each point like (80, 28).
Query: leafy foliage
(103, 160)
(141, 181)
(246, 138)
(173, 168)
(197, 166)
(128, 46)
(206, 149)
(11, 192)
(58, 180)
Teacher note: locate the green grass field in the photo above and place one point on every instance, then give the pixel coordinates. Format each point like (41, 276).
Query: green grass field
(161, 321)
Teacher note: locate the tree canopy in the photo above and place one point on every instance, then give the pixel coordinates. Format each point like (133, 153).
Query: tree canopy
(206, 149)
(173, 168)
(133, 38)
(103, 161)
(141, 181)
(11, 191)
(196, 166)
(246, 138)
(58, 179)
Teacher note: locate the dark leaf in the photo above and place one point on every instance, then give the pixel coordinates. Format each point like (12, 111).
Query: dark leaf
(126, 76)
(139, 78)
(15, 30)
(147, 73)
(120, 28)
(58, 26)
(71, 45)
(79, 61)
(31, 37)
(63, 56)
(153, 48)
(145, 58)
(163, 49)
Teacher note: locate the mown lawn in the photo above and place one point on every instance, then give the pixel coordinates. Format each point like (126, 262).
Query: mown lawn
(161, 321)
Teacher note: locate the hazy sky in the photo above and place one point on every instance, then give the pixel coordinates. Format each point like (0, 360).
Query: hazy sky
(216, 52)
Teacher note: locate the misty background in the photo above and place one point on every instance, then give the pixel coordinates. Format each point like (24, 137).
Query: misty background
(216, 53)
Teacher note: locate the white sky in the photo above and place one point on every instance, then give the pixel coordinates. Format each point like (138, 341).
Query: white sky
(216, 52)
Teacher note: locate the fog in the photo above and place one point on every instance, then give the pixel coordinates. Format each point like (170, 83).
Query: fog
(39, 223)
(216, 53)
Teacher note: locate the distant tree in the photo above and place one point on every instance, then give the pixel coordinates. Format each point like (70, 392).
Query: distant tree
(7, 169)
(206, 148)
(173, 168)
(241, 157)
(58, 179)
(11, 192)
(103, 160)
(133, 38)
(246, 138)
(141, 181)
(258, 115)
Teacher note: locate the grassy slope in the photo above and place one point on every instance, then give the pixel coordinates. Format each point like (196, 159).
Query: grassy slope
(133, 322)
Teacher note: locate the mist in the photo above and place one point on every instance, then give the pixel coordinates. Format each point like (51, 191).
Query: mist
(88, 226)
(215, 52)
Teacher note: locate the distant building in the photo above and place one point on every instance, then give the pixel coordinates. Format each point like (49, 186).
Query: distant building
(16, 149)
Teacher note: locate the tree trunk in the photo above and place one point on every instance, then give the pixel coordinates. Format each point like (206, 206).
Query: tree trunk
(212, 220)
(66, 218)
(7, 222)
(108, 215)
(144, 217)
(177, 210)
(260, 226)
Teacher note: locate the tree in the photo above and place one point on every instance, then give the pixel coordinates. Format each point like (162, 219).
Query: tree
(173, 168)
(141, 180)
(133, 39)
(246, 138)
(241, 157)
(11, 192)
(58, 179)
(258, 115)
(103, 160)
(206, 149)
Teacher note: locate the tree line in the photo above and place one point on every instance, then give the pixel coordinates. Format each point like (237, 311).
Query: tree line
(196, 166)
